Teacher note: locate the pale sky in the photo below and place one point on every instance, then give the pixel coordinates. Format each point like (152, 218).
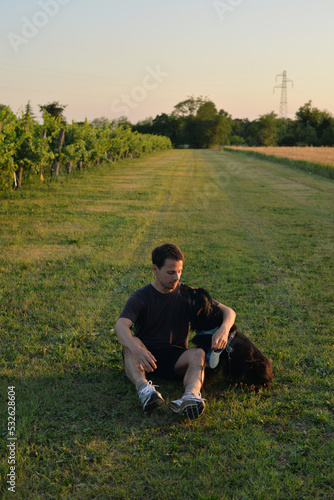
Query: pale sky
(139, 58)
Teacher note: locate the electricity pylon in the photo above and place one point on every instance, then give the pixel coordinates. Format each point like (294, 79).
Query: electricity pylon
(283, 109)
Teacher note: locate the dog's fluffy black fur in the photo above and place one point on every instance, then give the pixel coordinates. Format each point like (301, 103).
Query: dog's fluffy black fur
(245, 364)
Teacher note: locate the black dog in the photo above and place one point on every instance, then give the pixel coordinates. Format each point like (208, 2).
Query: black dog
(241, 361)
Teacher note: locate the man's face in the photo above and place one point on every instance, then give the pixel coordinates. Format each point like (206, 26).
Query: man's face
(168, 277)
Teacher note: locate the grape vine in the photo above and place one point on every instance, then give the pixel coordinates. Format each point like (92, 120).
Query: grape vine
(28, 148)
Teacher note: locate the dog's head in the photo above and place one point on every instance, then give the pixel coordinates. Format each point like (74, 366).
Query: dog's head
(205, 314)
(197, 298)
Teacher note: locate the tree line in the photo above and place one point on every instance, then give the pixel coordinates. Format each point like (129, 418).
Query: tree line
(28, 148)
(196, 122)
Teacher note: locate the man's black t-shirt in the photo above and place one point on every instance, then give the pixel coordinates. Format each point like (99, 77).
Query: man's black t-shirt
(160, 319)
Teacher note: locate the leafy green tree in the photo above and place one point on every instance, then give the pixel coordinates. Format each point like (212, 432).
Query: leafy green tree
(252, 133)
(144, 126)
(102, 122)
(223, 128)
(310, 136)
(169, 126)
(190, 106)
(238, 133)
(55, 109)
(307, 115)
(325, 130)
(210, 127)
(285, 133)
(205, 125)
(121, 121)
(29, 110)
(312, 125)
(186, 112)
(264, 131)
(197, 123)
(327, 137)
(267, 130)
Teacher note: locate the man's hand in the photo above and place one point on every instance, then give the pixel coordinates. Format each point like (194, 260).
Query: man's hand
(144, 359)
(219, 339)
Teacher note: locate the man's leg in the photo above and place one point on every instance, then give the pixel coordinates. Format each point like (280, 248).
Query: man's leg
(191, 365)
(131, 369)
(150, 398)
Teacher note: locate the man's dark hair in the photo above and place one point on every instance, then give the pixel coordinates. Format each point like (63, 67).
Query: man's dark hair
(166, 251)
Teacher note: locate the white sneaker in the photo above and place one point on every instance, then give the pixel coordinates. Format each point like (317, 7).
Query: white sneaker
(190, 405)
(212, 358)
(150, 398)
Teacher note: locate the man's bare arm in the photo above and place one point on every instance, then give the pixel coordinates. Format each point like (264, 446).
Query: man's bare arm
(144, 360)
(220, 338)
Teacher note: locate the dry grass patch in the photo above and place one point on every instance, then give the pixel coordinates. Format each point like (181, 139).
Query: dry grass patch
(311, 154)
(41, 253)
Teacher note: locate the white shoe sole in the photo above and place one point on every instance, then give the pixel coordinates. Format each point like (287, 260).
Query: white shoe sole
(156, 401)
(191, 408)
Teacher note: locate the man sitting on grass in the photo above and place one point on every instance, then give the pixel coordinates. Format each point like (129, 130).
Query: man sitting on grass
(160, 342)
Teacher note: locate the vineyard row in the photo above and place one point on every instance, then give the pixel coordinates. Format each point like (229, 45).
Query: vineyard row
(28, 148)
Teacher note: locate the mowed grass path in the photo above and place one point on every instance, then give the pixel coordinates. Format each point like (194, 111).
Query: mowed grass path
(259, 237)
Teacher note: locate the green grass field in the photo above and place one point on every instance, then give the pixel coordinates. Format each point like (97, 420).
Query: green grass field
(259, 236)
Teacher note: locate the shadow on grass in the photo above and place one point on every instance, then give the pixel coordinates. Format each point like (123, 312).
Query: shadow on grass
(74, 406)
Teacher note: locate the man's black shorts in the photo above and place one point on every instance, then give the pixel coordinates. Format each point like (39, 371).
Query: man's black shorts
(167, 358)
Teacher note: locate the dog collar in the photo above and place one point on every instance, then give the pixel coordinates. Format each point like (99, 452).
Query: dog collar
(231, 336)
(208, 332)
